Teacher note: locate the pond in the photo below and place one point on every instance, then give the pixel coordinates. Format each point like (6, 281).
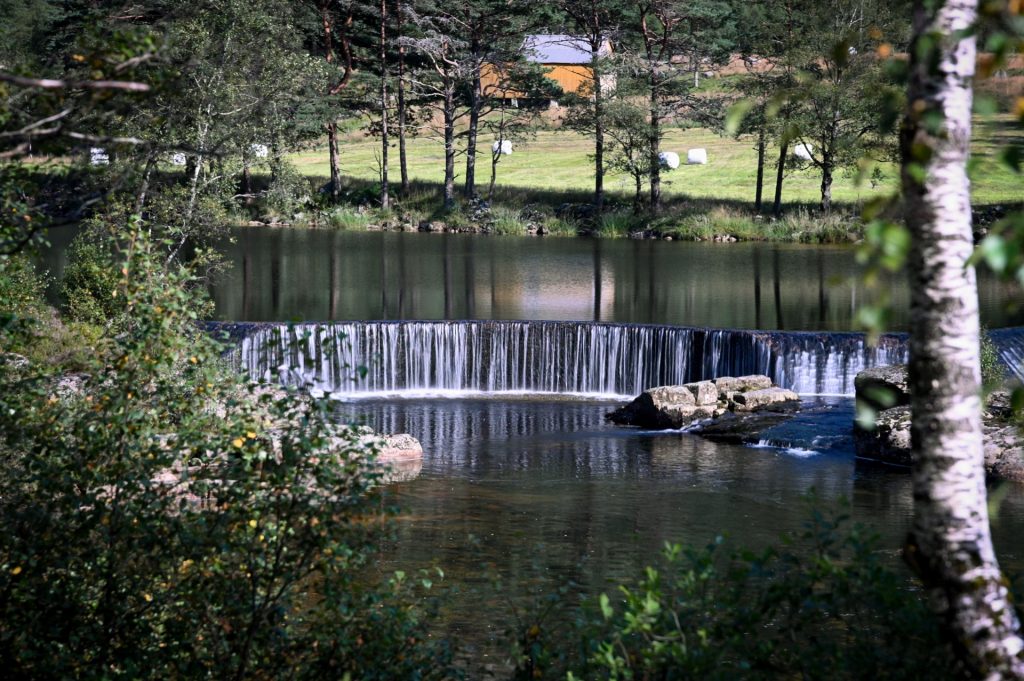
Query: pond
(524, 486)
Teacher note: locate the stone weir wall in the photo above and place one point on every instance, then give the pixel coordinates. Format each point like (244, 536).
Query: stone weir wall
(379, 357)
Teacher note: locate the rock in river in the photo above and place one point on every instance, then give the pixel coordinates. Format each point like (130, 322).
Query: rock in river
(678, 406)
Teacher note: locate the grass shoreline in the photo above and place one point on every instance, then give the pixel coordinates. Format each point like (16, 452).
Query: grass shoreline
(526, 211)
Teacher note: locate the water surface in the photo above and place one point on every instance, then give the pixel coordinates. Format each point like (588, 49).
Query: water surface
(302, 274)
(540, 494)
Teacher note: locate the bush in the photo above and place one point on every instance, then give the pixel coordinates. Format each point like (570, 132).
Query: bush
(90, 284)
(166, 520)
(823, 605)
(993, 371)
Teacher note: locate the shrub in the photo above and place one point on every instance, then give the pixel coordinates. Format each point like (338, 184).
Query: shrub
(822, 605)
(90, 284)
(506, 221)
(993, 371)
(167, 520)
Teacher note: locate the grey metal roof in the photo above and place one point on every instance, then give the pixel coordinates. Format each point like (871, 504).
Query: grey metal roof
(560, 49)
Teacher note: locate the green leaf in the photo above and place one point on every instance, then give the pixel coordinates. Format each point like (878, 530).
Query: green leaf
(606, 607)
(736, 114)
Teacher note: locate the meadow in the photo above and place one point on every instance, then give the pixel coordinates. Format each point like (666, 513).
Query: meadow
(559, 161)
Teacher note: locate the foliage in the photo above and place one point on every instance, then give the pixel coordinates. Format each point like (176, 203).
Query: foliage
(823, 604)
(90, 283)
(165, 520)
(993, 371)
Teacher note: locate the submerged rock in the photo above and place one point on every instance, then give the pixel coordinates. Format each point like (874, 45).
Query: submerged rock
(679, 406)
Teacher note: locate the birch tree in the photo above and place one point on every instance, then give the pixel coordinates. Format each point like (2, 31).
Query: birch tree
(950, 546)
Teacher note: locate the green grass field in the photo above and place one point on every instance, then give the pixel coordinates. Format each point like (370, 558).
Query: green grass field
(558, 161)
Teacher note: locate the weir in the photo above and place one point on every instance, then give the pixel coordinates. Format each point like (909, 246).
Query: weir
(364, 359)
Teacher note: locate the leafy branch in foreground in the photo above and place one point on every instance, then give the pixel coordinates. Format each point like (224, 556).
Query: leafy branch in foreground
(165, 519)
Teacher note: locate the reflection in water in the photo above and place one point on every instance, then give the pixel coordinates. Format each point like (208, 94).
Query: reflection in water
(544, 494)
(321, 275)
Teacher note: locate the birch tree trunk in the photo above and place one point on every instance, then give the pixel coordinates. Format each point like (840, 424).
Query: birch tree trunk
(949, 547)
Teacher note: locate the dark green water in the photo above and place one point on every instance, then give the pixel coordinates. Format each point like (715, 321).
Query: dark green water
(305, 275)
(540, 494)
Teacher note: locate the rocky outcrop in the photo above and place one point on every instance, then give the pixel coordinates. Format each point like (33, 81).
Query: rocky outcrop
(884, 390)
(882, 387)
(680, 406)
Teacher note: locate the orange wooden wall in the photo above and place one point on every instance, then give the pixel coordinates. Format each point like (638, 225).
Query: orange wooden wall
(570, 77)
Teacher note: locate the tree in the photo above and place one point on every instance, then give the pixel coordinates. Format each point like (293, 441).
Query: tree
(950, 546)
(448, 67)
(336, 20)
(841, 87)
(630, 145)
(670, 29)
(509, 122)
(594, 22)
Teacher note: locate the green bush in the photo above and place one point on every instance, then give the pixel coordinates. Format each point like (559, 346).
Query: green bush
(164, 519)
(507, 221)
(89, 287)
(824, 605)
(993, 371)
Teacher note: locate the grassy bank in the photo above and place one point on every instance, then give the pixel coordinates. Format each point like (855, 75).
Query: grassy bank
(542, 186)
(526, 210)
(558, 160)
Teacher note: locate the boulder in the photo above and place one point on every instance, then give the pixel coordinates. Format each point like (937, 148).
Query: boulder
(669, 406)
(884, 390)
(704, 392)
(401, 447)
(435, 226)
(765, 398)
(882, 387)
(1004, 451)
(680, 406)
(729, 384)
(889, 442)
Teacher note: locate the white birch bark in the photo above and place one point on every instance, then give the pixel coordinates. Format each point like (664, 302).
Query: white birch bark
(950, 546)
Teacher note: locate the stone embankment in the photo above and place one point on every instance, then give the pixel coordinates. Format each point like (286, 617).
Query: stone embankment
(885, 391)
(727, 398)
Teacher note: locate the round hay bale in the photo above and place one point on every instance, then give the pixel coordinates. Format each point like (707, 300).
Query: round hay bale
(803, 151)
(504, 145)
(668, 159)
(697, 157)
(98, 157)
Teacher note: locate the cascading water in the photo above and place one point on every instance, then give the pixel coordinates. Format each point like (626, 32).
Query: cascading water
(371, 358)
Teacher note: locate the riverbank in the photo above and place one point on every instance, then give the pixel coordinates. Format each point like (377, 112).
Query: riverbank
(527, 211)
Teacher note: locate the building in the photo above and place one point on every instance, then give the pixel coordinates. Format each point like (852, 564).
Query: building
(567, 60)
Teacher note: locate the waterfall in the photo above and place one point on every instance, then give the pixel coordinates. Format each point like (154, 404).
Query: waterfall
(582, 358)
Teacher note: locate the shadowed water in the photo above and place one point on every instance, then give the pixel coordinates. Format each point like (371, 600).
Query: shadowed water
(542, 494)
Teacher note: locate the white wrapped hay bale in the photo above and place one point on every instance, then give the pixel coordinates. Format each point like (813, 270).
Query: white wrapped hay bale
(260, 150)
(98, 157)
(668, 159)
(697, 157)
(803, 151)
(178, 159)
(505, 146)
